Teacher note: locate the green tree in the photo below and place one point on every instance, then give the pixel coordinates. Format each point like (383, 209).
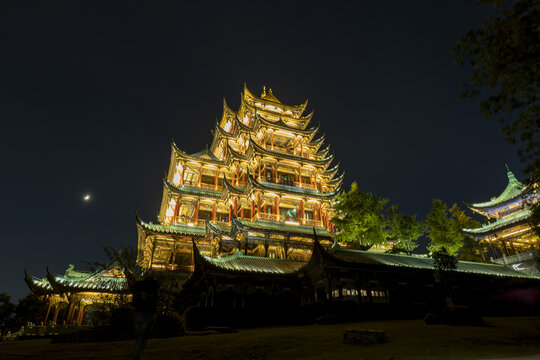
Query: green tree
(30, 309)
(442, 230)
(471, 249)
(360, 218)
(503, 54)
(7, 313)
(404, 230)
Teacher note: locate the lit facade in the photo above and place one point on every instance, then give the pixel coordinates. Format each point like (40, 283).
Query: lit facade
(263, 184)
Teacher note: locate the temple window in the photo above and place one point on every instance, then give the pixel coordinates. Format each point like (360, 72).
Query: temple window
(189, 179)
(205, 214)
(288, 213)
(228, 126)
(220, 217)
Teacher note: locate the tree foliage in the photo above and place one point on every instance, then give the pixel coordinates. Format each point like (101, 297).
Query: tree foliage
(404, 230)
(504, 55)
(471, 250)
(443, 230)
(7, 313)
(30, 309)
(360, 218)
(125, 257)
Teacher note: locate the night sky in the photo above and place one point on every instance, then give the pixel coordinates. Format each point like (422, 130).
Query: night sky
(91, 96)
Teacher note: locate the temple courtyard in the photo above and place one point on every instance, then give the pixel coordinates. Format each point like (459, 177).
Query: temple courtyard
(512, 338)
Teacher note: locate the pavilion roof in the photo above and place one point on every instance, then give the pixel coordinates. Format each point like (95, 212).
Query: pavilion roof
(292, 189)
(279, 227)
(499, 224)
(201, 156)
(191, 190)
(174, 229)
(280, 124)
(102, 281)
(513, 190)
(270, 97)
(325, 162)
(205, 154)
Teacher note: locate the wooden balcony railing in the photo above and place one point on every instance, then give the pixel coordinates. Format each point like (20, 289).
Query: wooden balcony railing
(305, 186)
(281, 218)
(211, 186)
(200, 222)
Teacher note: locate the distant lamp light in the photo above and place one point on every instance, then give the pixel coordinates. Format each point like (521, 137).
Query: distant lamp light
(86, 197)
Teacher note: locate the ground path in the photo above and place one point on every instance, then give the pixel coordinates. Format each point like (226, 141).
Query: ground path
(512, 338)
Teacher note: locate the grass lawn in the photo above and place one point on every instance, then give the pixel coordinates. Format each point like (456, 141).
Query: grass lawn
(407, 339)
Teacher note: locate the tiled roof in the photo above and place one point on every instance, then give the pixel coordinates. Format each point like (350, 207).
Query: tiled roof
(180, 229)
(423, 262)
(192, 190)
(513, 190)
(239, 262)
(294, 189)
(97, 281)
(282, 227)
(500, 223)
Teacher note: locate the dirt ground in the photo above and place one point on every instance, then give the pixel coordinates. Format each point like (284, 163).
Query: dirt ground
(407, 339)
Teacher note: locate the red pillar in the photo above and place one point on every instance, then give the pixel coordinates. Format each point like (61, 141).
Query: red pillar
(71, 310)
(196, 212)
(277, 206)
(216, 180)
(176, 210)
(301, 211)
(199, 180)
(183, 172)
(56, 311)
(48, 311)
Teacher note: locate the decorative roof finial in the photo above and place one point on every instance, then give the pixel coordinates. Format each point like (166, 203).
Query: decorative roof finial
(264, 91)
(507, 169)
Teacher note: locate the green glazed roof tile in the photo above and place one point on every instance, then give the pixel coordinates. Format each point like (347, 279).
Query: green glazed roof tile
(500, 223)
(239, 262)
(512, 190)
(423, 262)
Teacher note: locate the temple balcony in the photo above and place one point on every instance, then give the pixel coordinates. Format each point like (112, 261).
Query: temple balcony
(288, 151)
(295, 184)
(211, 186)
(287, 219)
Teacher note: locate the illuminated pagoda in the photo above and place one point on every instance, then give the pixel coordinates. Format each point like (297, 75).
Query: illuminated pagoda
(260, 188)
(508, 233)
